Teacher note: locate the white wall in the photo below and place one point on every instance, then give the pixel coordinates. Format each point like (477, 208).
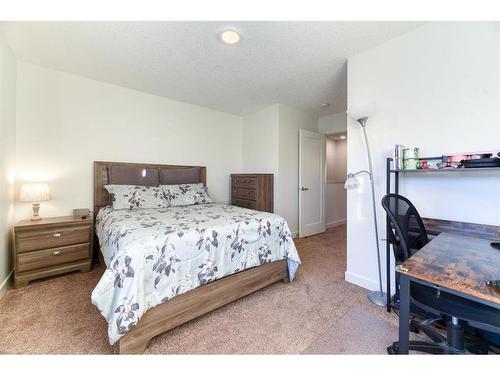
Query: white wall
(7, 157)
(260, 151)
(336, 123)
(335, 194)
(437, 87)
(65, 122)
(271, 145)
(260, 137)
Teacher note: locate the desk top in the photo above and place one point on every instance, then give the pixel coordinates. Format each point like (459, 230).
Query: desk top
(459, 263)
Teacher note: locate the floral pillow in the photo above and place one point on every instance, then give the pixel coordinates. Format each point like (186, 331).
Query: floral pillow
(131, 197)
(186, 194)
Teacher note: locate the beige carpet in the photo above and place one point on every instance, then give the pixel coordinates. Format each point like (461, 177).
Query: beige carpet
(56, 315)
(357, 332)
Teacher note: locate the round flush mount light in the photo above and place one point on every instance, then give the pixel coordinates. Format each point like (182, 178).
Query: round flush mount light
(230, 36)
(342, 137)
(324, 105)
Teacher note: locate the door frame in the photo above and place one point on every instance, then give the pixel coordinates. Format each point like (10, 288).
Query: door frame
(322, 182)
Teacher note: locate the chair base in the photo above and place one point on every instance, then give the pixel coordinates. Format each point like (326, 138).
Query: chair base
(423, 346)
(454, 344)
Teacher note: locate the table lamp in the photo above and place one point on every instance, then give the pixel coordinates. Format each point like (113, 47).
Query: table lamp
(36, 193)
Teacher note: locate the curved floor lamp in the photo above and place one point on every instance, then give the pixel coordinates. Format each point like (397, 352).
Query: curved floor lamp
(377, 297)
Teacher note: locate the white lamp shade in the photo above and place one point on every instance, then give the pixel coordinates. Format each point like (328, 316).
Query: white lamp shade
(351, 183)
(35, 192)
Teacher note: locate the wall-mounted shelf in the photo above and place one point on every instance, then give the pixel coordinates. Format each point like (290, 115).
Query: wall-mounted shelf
(445, 170)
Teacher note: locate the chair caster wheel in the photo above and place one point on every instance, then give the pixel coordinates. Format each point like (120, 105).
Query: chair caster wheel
(414, 330)
(414, 327)
(391, 350)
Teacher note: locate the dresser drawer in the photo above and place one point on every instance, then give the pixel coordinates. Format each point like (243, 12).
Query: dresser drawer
(244, 182)
(243, 203)
(244, 193)
(52, 257)
(35, 240)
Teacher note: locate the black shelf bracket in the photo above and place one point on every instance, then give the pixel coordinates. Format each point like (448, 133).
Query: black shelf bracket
(389, 172)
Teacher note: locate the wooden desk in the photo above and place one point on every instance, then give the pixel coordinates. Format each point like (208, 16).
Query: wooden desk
(454, 263)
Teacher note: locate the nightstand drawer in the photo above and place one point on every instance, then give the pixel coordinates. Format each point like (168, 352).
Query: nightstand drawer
(244, 182)
(52, 257)
(244, 193)
(35, 240)
(243, 203)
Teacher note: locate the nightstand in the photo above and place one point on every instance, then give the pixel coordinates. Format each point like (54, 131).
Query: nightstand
(50, 247)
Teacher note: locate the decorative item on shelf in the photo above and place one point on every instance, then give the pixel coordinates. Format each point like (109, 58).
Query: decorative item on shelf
(422, 164)
(81, 213)
(449, 164)
(476, 159)
(378, 297)
(432, 162)
(398, 156)
(35, 193)
(410, 157)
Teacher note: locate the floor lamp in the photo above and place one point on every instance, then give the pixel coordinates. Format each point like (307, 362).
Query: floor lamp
(377, 297)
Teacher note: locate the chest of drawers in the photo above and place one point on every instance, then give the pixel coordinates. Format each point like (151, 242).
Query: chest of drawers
(253, 191)
(51, 246)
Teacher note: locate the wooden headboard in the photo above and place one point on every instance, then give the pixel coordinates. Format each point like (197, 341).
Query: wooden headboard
(101, 178)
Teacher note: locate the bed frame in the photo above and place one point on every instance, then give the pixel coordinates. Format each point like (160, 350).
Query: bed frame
(196, 302)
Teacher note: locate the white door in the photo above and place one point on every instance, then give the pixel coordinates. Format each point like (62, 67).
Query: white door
(312, 154)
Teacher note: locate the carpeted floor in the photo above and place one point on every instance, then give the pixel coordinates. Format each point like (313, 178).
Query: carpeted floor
(348, 336)
(56, 315)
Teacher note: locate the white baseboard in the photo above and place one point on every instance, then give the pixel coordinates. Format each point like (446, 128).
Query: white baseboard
(364, 282)
(335, 223)
(295, 234)
(5, 284)
(361, 281)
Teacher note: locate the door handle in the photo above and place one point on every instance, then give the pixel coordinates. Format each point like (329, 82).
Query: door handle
(304, 188)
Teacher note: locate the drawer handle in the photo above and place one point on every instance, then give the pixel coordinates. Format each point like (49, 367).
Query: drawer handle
(56, 253)
(56, 235)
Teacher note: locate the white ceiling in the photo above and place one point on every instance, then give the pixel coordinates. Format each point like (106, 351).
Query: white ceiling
(301, 64)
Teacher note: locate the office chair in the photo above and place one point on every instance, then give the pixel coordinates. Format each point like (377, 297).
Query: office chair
(408, 235)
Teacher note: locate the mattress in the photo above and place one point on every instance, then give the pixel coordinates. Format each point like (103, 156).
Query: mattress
(153, 255)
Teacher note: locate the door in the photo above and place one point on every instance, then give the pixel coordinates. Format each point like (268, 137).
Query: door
(312, 155)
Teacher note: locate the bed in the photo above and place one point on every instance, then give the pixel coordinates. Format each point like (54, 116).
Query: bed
(166, 266)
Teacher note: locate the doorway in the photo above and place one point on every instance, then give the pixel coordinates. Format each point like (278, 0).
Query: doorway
(336, 170)
(311, 183)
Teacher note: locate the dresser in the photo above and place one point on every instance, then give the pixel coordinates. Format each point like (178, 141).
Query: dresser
(253, 191)
(50, 247)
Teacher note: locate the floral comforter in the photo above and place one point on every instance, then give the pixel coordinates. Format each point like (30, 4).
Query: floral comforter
(153, 255)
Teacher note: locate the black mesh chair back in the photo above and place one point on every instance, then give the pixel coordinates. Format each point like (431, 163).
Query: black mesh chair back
(407, 234)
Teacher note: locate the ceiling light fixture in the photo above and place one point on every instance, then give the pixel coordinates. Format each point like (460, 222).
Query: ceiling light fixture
(342, 137)
(230, 37)
(325, 105)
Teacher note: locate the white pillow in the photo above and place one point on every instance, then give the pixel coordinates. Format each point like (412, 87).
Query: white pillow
(186, 194)
(131, 197)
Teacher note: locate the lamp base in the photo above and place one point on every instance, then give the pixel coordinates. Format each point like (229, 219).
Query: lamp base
(36, 209)
(378, 298)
